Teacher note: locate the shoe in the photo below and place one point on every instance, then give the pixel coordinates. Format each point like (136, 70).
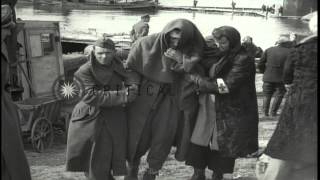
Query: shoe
(150, 174)
(217, 176)
(111, 177)
(266, 105)
(275, 105)
(133, 169)
(198, 174)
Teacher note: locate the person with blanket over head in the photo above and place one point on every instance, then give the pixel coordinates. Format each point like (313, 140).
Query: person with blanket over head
(162, 60)
(97, 135)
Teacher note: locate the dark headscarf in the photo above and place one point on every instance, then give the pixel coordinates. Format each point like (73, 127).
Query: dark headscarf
(232, 34)
(234, 39)
(147, 54)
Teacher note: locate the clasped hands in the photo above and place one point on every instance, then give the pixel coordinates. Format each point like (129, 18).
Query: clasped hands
(175, 55)
(194, 78)
(132, 92)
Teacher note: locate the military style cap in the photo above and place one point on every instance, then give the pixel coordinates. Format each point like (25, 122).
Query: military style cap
(6, 15)
(145, 16)
(105, 43)
(282, 39)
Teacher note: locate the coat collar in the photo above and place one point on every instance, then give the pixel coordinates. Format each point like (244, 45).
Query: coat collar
(308, 39)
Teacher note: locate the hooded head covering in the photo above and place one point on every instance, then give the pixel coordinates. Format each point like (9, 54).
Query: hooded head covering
(234, 39)
(147, 54)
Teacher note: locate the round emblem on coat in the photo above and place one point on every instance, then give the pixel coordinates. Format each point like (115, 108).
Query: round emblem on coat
(69, 90)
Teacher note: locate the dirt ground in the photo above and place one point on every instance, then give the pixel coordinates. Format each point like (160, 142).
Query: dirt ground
(50, 165)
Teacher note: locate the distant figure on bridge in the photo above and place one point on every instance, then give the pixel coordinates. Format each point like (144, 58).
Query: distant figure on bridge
(271, 65)
(280, 10)
(264, 8)
(253, 50)
(233, 5)
(293, 38)
(141, 28)
(195, 2)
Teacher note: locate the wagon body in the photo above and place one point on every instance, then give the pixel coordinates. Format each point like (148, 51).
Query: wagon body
(39, 66)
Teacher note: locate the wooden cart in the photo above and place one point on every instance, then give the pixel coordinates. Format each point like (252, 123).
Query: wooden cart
(37, 116)
(39, 66)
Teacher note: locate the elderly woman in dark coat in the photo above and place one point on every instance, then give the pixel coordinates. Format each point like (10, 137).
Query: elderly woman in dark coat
(227, 123)
(97, 137)
(293, 145)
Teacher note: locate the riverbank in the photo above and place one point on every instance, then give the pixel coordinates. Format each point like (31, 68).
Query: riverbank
(221, 10)
(257, 12)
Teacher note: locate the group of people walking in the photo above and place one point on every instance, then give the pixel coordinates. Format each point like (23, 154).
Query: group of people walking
(177, 89)
(177, 92)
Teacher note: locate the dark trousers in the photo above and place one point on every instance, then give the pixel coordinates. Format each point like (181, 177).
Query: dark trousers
(157, 135)
(201, 157)
(270, 89)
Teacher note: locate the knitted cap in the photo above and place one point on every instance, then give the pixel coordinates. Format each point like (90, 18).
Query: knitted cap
(105, 43)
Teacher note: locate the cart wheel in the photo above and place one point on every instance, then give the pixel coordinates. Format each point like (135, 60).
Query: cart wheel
(41, 134)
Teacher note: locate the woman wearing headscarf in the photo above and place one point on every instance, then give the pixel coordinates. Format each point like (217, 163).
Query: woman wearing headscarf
(227, 121)
(161, 60)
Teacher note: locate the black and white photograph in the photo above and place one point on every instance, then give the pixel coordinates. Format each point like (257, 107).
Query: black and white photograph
(159, 90)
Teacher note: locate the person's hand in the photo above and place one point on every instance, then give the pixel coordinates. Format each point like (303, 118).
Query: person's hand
(174, 55)
(288, 86)
(193, 78)
(132, 92)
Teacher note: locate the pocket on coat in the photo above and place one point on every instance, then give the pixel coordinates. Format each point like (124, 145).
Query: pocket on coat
(84, 112)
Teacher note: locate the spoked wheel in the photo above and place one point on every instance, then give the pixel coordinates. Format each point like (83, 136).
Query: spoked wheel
(41, 134)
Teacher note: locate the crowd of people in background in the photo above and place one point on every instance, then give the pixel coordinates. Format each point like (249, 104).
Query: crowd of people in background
(272, 9)
(177, 88)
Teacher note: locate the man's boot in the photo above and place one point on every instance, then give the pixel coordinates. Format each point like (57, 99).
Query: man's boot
(133, 169)
(266, 104)
(111, 177)
(216, 175)
(198, 174)
(275, 105)
(150, 174)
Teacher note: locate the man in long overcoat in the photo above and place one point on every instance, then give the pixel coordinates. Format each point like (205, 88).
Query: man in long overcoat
(97, 138)
(14, 164)
(160, 60)
(271, 65)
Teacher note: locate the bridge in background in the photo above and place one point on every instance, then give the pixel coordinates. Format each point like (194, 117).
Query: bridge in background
(299, 7)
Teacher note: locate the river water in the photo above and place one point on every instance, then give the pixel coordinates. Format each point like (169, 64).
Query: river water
(264, 31)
